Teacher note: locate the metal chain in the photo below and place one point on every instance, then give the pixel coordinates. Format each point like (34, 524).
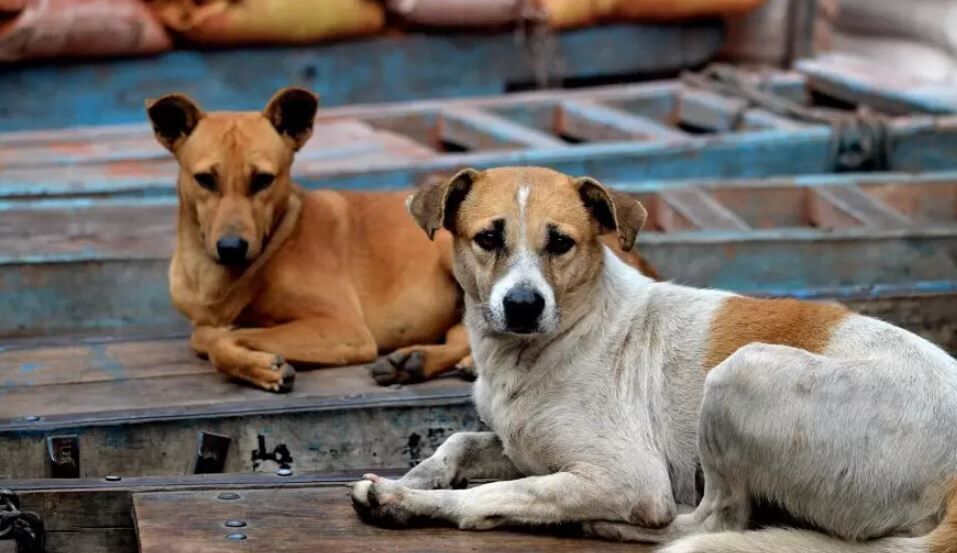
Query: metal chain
(24, 528)
(860, 140)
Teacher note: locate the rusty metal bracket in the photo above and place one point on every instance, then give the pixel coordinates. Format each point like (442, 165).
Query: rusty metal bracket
(211, 452)
(23, 527)
(63, 456)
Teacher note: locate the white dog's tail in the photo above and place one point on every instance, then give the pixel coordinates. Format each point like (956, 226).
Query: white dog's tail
(941, 540)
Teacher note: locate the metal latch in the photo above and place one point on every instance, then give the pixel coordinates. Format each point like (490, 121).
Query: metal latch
(24, 528)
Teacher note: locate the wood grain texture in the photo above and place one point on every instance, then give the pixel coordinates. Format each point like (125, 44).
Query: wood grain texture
(315, 521)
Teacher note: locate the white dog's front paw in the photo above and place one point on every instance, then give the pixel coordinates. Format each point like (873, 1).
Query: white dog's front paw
(381, 502)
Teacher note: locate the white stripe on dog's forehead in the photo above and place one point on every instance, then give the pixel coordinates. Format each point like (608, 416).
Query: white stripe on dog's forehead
(522, 198)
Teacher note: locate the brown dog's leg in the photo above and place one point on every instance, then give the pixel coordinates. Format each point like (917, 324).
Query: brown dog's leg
(419, 363)
(259, 355)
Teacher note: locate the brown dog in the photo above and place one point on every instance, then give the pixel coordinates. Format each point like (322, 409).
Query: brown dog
(268, 273)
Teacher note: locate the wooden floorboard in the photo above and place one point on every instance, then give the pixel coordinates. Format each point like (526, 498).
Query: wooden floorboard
(131, 377)
(313, 521)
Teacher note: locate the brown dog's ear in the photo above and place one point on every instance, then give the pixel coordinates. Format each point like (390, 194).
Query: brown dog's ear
(436, 205)
(292, 111)
(614, 211)
(174, 117)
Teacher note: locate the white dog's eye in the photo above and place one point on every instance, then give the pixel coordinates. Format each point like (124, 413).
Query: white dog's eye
(558, 243)
(489, 240)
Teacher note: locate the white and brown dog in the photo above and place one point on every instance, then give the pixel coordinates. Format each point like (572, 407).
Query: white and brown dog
(605, 390)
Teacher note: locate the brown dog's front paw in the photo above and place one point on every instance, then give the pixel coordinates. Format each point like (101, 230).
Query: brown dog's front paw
(280, 377)
(399, 368)
(466, 368)
(379, 502)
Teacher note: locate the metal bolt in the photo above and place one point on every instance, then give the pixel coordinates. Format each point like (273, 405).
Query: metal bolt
(235, 524)
(112, 478)
(284, 472)
(228, 496)
(396, 386)
(31, 418)
(236, 537)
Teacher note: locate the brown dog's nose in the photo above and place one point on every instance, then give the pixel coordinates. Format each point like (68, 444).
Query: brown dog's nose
(232, 250)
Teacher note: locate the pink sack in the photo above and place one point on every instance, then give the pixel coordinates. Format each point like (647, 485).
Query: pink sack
(458, 13)
(80, 28)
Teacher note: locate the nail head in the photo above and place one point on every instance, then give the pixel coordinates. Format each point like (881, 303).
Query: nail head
(284, 472)
(235, 524)
(112, 478)
(228, 496)
(236, 537)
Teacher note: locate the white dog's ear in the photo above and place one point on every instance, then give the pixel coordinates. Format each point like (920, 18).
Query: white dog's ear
(614, 210)
(436, 205)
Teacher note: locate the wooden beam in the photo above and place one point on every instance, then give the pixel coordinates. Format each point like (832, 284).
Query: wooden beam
(702, 210)
(854, 202)
(594, 122)
(480, 130)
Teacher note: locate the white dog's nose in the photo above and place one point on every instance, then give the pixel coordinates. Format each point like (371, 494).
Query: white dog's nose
(523, 306)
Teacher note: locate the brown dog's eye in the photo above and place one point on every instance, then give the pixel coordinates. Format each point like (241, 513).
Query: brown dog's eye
(206, 180)
(558, 244)
(261, 181)
(489, 240)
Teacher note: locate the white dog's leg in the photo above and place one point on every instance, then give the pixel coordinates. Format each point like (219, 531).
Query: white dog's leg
(464, 456)
(581, 493)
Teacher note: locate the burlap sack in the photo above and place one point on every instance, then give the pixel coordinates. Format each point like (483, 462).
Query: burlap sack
(579, 13)
(8, 7)
(762, 36)
(901, 54)
(458, 13)
(226, 22)
(932, 22)
(80, 28)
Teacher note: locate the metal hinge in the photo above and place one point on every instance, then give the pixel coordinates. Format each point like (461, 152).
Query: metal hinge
(24, 528)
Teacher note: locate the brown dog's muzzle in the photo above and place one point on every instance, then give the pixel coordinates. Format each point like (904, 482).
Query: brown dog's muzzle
(232, 250)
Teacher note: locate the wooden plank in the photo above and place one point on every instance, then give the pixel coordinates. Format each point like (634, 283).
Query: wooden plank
(196, 520)
(393, 67)
(594, 122)
(710, 111)
(479, 130)
(863, 208)
(332, 140)
(861, 81)
(702, 210)
(98, 362)
(76, 265)
(95, 516)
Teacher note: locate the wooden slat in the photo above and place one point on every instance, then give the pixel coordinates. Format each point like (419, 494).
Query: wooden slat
(314, 521)
(707, 110)
(863, 208)
(103, 362)
(144, 376)
(702, 210)
(480, 130)
(339, 139)
(595, 122)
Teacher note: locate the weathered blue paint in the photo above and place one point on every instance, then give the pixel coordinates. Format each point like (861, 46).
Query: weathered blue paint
(866, 82)
(103, 361)
(27, 368)
(379, 69)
